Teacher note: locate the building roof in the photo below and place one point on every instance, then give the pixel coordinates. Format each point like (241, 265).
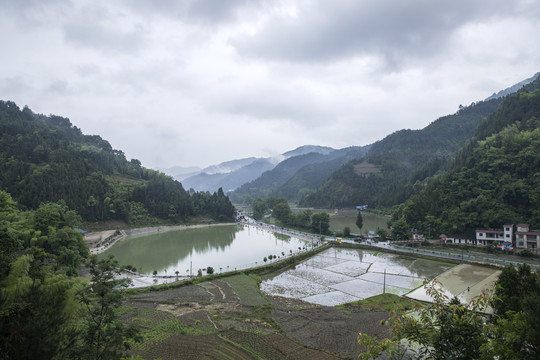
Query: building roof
(534, 232)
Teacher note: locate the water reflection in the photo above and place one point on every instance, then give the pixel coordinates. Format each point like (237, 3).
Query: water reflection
(186, 251)
(337, 276)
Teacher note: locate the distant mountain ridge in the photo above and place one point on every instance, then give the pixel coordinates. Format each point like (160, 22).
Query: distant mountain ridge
(180, 173)
(232, 174)
(322, 176)
(228, 166)
(405, 159)
(514, 88)
(298, 175)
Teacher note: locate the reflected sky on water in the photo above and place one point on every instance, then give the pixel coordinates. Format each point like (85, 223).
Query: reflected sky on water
(337, 276)
(225, 247)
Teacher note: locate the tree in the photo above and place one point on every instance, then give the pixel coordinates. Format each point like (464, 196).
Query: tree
(303, 218)
(38, 313)
(68, 246)
(443, 329)
(516, 322)
(381, 233)
(259, 208)
(282, 212)
(320, 222)
(400, 230)
(359, 220)
(347, 232)
(209, 270)
(514, 286)
(103, 335)
(54, 216)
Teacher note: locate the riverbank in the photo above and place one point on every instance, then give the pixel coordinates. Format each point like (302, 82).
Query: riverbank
(100, 241)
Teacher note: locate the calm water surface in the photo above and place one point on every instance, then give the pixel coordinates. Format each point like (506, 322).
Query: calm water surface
(221, 247)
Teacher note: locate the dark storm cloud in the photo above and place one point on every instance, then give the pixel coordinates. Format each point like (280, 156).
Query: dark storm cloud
(394, 30)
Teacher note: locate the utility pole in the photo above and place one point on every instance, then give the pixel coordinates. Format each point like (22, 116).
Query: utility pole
(384, 282)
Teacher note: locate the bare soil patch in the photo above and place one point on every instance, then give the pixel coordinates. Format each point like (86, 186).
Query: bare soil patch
(211, 320)
(328, 328)
(365, 169)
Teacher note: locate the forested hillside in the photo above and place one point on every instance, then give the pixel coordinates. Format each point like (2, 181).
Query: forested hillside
(494, 180)
(46, 311)
(298, 176)
(47, 159)
(389, 173)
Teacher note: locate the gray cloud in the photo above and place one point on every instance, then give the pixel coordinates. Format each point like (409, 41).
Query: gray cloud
(35, 12)
(14, 85)
(59, 87)
(274, 102)
(159, 78)
(97, 27)
(394, 30)
(207, 12)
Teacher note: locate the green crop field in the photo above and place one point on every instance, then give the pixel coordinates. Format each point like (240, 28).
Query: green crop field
(247, 289)
(348, 218)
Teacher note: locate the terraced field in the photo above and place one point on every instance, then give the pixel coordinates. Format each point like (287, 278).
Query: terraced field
(229, 318)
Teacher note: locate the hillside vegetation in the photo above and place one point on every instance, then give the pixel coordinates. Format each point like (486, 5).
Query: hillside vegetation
(47, 159)
(298, 176)
(402, 158)
(494, 180)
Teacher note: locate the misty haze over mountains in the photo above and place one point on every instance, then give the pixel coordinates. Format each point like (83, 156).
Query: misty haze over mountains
(232, 175)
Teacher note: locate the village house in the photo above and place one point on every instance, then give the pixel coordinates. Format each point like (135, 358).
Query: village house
(522, 238)
(463, 241)
(499, 237)
(526, 238)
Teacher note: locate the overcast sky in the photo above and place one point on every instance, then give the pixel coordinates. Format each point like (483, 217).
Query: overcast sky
(198, 82)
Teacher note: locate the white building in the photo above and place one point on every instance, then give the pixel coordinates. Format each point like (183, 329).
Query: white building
(499, 237)
(526, 238)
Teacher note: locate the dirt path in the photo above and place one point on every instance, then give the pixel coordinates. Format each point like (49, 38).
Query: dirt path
(222, 324)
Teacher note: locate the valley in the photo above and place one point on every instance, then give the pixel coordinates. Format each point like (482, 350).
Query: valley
(237, 288)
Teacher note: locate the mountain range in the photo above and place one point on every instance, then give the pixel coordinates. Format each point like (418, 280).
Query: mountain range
(46, 158)
(232, 174)
(384, 173)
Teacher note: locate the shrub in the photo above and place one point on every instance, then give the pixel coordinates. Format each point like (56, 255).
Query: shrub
(526, 253)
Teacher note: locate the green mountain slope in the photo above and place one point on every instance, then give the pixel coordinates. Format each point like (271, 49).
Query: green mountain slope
(298, 175)
(495, 179)
(401, 159)
(47, 159)
(400, 162)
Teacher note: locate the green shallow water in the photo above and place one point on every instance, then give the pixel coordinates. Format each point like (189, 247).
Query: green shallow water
(221, 247)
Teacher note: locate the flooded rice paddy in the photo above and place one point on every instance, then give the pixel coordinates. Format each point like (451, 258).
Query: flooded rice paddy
(332, 277)
(338, 276)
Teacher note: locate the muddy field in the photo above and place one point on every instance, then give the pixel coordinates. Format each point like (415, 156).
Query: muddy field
(229, 318)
